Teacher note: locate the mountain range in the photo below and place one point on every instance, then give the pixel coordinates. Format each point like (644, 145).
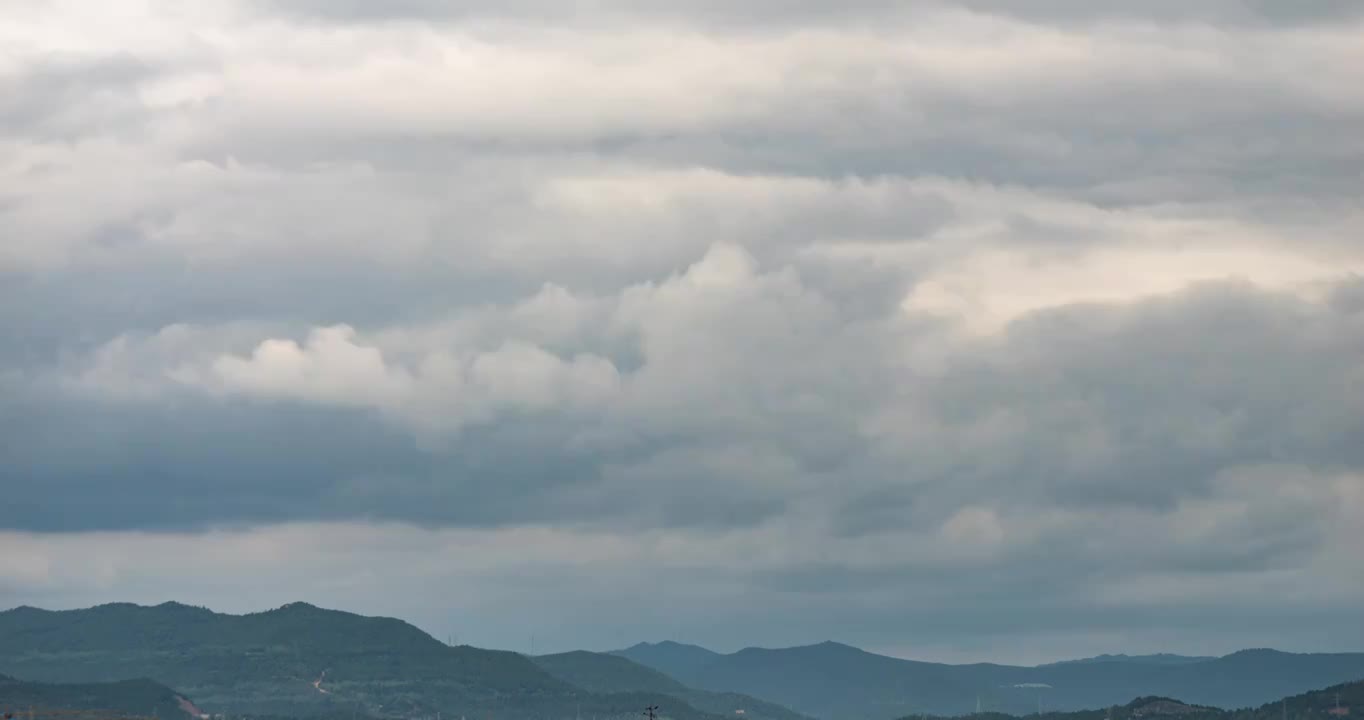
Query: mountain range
(836, 681)
(1156, 659)
(301, 661)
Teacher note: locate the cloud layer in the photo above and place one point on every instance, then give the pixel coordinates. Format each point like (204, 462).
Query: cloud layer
(872, 319)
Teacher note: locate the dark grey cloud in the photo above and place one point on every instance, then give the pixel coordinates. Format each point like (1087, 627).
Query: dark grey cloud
(87, 466)
(1226, 374)
(186, 464)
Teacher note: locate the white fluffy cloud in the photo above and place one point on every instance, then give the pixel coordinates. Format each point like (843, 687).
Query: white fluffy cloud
(328, 368)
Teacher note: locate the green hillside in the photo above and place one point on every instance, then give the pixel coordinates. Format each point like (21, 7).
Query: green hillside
(297, 660)
(127, 697)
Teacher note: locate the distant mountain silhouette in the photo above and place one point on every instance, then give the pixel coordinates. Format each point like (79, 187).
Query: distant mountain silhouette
(605, 673)
(600, 672)
(1156, 659)
(131, 697)
(839, 682)
(1339, 702)
(298, 660)
(673, 658)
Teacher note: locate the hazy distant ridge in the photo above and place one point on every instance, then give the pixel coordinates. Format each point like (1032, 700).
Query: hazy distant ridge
(839, 682)
(1156, 659)
(1338, 702)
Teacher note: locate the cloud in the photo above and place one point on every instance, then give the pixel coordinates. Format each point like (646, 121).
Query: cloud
(884, 585)
(785, 13)
(329, 368)
(764, 389)
(65, 98)
(333, 368)
(892, 299)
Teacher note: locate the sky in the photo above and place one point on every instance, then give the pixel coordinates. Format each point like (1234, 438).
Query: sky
(975, 330)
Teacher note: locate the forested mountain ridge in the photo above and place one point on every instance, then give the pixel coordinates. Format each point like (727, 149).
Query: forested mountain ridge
(297, 660)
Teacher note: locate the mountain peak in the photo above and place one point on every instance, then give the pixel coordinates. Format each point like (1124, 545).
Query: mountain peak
(302, 608)
(825, 646)
(666, 645)
(25, 609)
(182, 607)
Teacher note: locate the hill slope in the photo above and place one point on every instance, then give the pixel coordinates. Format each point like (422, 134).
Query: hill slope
(297, 660)
(599, 672)
(131, 697)
(677, 660)
(604, 673)
(831, 680)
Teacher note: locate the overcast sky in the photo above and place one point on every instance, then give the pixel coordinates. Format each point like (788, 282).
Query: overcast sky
(977, 330)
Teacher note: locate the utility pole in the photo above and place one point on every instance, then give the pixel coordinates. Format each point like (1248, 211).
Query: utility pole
(649, 711)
